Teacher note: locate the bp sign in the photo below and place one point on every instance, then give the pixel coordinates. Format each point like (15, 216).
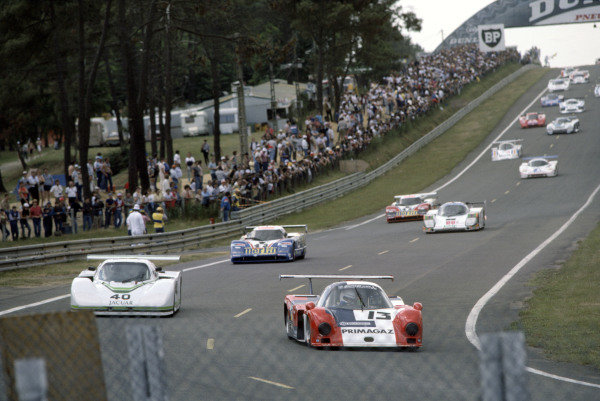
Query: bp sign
(522, 13)
(491, 38)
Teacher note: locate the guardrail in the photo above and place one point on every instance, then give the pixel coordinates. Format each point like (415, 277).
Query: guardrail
(31, 255)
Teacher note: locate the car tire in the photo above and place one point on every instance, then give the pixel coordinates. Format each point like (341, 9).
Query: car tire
(303, 254)
(293, 257)
(288, 324)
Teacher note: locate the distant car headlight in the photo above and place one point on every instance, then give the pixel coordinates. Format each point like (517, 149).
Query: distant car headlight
(325, 329)
(412, 329)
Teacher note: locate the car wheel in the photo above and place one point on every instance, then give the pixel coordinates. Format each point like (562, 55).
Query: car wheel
(307, 336)
(293, 257)
(303, 254)
(288, 325)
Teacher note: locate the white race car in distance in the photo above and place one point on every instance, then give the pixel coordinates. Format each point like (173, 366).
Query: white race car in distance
(572, 106)
(541, 166)
(563, 125)
(455, 216)
(580, 76)
(127, 285)
(506, 150)
(558, 84)
(597, 90)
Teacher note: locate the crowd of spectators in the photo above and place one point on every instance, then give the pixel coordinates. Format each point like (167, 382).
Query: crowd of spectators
(276, 163)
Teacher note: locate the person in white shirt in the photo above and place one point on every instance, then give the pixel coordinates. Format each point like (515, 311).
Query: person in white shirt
(56, 190)
(71, 192)
(189, 162)
(135, 222)
(164, 185)
(177, 158)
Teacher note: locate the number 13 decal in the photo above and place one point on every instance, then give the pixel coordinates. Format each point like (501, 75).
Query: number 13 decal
(380, 315)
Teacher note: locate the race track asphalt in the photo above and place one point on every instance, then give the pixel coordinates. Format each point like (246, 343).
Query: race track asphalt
(228, 340)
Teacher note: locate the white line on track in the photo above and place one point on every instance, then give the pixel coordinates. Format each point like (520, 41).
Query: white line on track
(518, 183)
(382, 252)
(243, 312)
(345, 267)
(551, 145)
(58, 298)
(271, 382)
(210, 343)
(484, 151)
(296, 288)
(493, 200)
(414, 240)
(506, 192)
(471, 323)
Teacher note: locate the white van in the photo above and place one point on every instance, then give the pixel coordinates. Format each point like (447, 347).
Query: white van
(194, 123)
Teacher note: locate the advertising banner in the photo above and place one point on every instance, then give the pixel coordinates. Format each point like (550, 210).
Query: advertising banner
(491, 38)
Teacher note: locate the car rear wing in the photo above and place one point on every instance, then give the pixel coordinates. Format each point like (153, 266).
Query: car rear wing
(304, 226)
(541, 157)
(477, 204)
(310, 277)
(423, 195)
(147, 257)
(507, 141)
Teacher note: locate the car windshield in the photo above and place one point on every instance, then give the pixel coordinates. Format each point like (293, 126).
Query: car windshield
(505, 146)
(538, 163)
(124, 272)
(410, 201)
(532, 116)
(572, 101)
(558, 82)
(562, 120)
(453, 209)
(356, 296)
(552, 96)
(265, 235)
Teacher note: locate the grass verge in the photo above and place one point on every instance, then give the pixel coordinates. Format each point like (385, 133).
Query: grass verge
(416, 172)
(563, 316)
(63, 273)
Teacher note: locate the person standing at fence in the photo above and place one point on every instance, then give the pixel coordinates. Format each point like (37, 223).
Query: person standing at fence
(98, 208)
(189, 162)
(159, 218)
(47, 214)
(3, 224)
(109, 209)
(56, 190)
(205, 151)
(71, 192)
(87, 212)
(36, 217)
(197, 169)
(225, 206)
(24, 221)
(13, 220)
(119, 204)
(135, 222)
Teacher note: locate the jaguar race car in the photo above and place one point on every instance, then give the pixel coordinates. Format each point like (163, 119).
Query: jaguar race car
(597, 90)
(558, 85)
(580, 76)
(270, 244)
(572, 106)
(563, 125)
(508, 149)
(127, 285)
(551, 99)
(532, 120)
(455, 216)
(410, 207)
(352, 313)
(541, 166)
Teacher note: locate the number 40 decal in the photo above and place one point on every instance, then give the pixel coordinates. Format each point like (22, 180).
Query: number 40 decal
(380, 315)
(124, 296)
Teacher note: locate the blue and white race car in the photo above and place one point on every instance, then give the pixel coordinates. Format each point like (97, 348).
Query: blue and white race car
(551, 99)
(270, 244)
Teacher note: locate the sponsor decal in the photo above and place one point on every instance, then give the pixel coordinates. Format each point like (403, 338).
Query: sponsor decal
(491, 37)
(357, 324)
(551, 9)
(367, 331)
(261, 251)
(120, 303)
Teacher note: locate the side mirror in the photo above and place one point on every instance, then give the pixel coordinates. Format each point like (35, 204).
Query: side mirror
(310, 305)
(418, 306)
(91, 268)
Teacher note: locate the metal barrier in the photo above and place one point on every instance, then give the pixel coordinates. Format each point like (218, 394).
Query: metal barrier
(31, 255)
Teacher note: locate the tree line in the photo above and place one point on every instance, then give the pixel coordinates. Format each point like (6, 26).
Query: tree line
(67, 61)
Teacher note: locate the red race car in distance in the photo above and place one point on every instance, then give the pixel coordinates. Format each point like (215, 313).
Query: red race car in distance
(532, 120)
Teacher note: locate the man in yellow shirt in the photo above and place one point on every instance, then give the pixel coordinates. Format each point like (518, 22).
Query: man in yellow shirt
(159, 219)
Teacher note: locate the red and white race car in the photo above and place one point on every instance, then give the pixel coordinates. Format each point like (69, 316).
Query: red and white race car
(410, 207)
(532, 120)
(352, 314)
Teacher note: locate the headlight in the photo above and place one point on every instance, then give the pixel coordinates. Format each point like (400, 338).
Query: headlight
(411, 329)
(325, 329)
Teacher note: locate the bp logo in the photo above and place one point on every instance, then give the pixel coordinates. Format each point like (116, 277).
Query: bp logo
(491, 37)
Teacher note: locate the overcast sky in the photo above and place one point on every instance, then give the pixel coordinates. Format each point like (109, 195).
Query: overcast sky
(573, 44)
